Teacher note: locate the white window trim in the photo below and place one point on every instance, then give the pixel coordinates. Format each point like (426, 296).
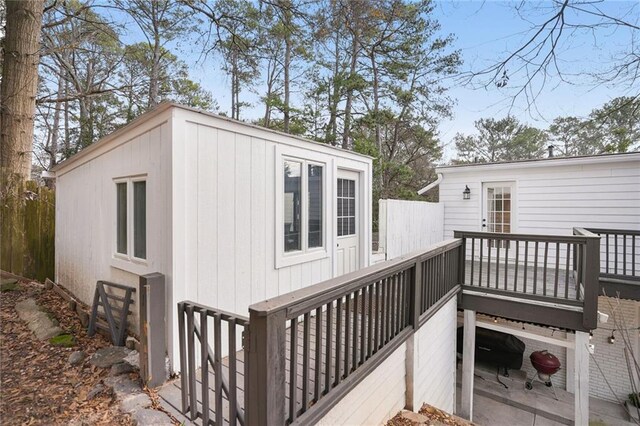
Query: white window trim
(283, 259)
(128, 262)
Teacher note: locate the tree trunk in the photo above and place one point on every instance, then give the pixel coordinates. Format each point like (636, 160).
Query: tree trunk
(155, 71)
(155, 66)
(55, 131)
(19, 87)
(348, 104)
(332, 128)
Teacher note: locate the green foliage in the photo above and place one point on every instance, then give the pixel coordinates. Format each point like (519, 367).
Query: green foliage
(634, 399)
(615, 127)
(63, 340)
(501, 140)
(618, 124)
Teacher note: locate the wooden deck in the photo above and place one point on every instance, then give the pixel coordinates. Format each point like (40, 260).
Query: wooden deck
(171, 393)
(540, 281)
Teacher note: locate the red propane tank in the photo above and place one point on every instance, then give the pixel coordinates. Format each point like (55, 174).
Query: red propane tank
(545, 362)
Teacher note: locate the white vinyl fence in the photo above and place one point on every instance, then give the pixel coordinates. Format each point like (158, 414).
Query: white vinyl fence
(407, 226)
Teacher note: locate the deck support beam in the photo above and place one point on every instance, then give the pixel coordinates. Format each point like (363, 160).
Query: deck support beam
(581, 378)
(468, 365)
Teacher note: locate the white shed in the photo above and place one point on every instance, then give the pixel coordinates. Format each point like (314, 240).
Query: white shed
(230, 213)
(551, 196)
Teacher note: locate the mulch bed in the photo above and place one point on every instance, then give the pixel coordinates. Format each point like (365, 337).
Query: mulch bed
(38, 385)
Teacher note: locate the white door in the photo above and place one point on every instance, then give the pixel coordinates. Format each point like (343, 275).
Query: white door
(347, 222)
(498, 204)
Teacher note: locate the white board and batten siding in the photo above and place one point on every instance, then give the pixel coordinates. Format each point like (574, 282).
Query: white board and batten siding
(408, 226)
(225, 212)
(212, 188)
(550, 196)
(435, 375)
(385, 391)
(86, 209)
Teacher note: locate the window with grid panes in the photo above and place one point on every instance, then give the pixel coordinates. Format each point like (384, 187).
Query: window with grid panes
(346, 199)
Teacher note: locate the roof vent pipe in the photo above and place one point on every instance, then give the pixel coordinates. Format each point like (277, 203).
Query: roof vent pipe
(550, 148)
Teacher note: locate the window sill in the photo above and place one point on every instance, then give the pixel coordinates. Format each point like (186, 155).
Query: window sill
(290, 259)
(137, 267)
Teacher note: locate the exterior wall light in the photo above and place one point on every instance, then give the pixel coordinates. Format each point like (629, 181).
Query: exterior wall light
(466, 194)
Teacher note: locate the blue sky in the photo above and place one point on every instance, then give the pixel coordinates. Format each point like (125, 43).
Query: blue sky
(485, 32)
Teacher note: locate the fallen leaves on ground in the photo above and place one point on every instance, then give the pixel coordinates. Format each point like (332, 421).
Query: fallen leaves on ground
(428, 415)
(38, 385)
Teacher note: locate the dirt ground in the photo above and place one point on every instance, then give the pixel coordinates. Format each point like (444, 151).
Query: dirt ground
(38, 386)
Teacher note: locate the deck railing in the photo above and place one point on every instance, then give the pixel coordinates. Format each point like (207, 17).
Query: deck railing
(198, 325)
(328, 337)
(305, 350)
(552, 270)
(619, 252)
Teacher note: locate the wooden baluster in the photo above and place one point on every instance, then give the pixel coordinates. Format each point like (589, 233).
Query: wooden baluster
(370, 321)
(555, 285)
(338, 341)
(615, 246)
(473, 249)
(535, 270)
(354, 361)
(607, 254)
(347, 335)
(499, 243)
(191, 332)
(204, 370)
(329, 354)
(306, 342)
(480, 268)
(526, 266)
(544, 270)
(318, 366)
(515, 275)
(217, 366)
(293, 371)
(233, 374)
(566, 278)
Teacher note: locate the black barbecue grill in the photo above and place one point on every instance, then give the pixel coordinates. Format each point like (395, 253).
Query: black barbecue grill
(503, 350)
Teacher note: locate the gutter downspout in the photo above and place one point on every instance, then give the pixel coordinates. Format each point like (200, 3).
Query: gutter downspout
(431, 185)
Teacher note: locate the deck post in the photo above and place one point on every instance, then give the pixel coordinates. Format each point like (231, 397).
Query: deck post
(591, 282)
(581, 379)
(416, 297)
(468, 365)
(153, 344)
(265, 379)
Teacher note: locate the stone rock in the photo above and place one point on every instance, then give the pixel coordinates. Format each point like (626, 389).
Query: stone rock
(38, 321)
(123, 386)
(413, 417)
(133, 359)
(131, 343)
(106, 357)
(8, 284)
(135, 402)
(149, 417)
(95, 391)
(121, 368)
(76, 357)
(84, 317)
